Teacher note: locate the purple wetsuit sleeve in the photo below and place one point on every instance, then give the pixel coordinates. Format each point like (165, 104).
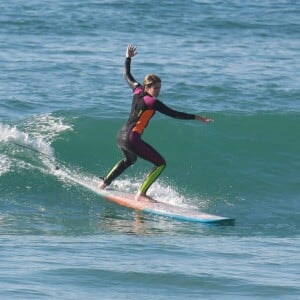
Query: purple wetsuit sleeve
(162, 108)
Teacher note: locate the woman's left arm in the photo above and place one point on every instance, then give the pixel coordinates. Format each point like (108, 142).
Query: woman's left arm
(203, 119)
(161, 107)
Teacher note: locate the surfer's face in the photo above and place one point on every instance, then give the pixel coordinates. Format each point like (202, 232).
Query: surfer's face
(154, 89)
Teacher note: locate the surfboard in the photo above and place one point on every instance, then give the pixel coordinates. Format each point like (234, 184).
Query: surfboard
(154, 207)
(145, 205)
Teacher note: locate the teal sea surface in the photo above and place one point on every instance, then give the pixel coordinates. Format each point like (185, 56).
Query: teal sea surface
(62, 101)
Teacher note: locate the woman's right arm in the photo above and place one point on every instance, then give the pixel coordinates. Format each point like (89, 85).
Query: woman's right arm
(130, 52)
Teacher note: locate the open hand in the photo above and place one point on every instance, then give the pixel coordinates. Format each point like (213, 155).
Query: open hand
(131, 51)
(203, 119)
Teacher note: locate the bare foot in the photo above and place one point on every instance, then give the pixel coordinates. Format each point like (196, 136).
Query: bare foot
(142, 196)
(139, 195)
(102, 185)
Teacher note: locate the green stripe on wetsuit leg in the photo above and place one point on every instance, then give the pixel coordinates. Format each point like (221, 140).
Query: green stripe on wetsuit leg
(114, 172)
(151, 178)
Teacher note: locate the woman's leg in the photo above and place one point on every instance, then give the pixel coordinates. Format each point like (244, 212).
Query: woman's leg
(150, 179)
(122, 165)
(147, 152)
(119, 168)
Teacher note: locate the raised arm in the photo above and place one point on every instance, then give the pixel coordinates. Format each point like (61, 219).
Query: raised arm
(130, 52)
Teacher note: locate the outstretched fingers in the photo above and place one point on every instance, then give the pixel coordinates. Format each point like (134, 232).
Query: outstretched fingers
(131, 50)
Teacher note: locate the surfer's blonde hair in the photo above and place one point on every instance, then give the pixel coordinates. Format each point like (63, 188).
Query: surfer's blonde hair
(151, 79)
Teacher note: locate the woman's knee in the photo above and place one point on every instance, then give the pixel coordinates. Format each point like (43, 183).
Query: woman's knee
(161, 162)
(128, 161)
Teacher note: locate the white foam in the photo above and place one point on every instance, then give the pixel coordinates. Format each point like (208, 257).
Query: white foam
(12, 134)
(43, 129)
(72, 176)
(6, 132)
(46, 126)
(5, 164)
(159, 190)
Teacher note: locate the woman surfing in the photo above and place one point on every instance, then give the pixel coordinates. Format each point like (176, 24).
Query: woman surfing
(144, 105)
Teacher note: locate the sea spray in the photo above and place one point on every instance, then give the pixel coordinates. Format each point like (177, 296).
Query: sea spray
(23, 139)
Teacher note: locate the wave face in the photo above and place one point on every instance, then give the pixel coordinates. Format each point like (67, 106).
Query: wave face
(242, 160)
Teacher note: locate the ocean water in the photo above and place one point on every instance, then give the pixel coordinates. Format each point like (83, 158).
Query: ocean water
(62, 102)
